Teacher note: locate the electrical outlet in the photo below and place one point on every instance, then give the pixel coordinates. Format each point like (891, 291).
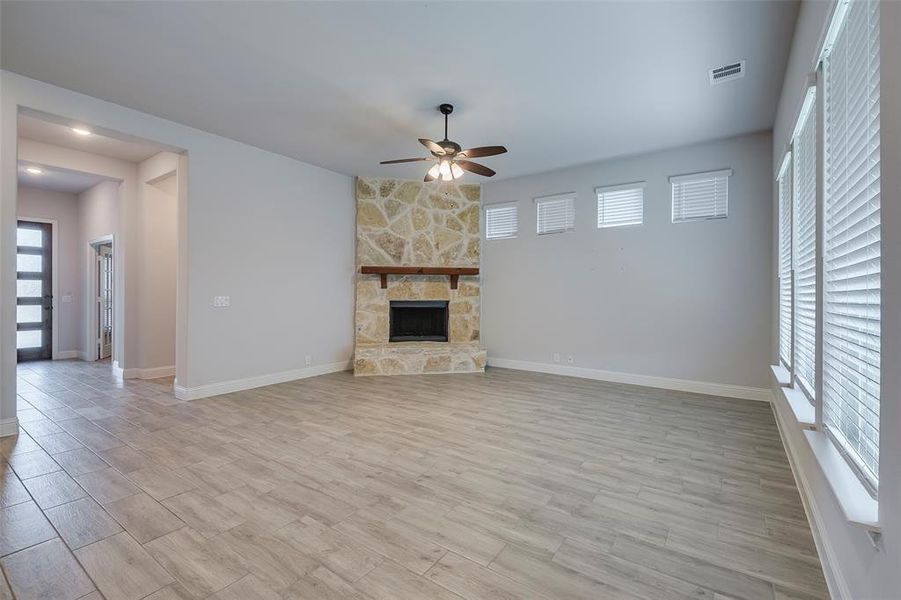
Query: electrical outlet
(221, 301)
(309, 360)
(570, 359)
(556, 357)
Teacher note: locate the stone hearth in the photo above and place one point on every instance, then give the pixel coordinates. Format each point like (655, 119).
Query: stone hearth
(410, 223)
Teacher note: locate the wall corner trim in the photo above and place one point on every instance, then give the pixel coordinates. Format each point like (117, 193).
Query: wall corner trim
(666, 383)
(247, 383)
(9, 427)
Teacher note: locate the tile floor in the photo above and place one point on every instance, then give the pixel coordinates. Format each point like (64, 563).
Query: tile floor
(496, 486)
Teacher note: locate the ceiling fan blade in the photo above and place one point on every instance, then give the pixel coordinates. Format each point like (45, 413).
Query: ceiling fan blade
(483, 151)
(432, 146)
(468, 165)
(404, 160)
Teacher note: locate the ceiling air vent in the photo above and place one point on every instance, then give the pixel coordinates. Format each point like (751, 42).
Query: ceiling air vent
(727, 72)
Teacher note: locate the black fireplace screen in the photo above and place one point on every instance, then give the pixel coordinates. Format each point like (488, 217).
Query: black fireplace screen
(418, 321)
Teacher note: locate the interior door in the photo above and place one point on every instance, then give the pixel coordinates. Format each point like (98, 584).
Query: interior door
(34, 291)
(105, 300)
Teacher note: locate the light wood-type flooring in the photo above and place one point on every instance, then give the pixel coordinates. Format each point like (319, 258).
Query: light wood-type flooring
(479, 487)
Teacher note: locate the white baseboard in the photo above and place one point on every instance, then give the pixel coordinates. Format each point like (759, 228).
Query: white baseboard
(152, 373)
(67, 354)
(237, 385)
(9, 426)
(835, 581)
(83, 356)
(667, 383)
(117, 370)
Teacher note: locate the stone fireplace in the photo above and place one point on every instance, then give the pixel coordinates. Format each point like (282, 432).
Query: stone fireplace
(417, 323)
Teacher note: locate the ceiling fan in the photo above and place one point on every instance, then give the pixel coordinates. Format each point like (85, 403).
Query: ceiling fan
(450, 159)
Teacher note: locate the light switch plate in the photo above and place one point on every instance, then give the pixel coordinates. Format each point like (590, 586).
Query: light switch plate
(67, 298)
(221, 301)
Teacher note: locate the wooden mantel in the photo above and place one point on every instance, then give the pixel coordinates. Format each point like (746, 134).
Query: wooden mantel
(453, 272)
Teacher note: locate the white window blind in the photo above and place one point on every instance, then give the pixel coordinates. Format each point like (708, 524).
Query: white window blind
(700, 196)
(556, 214)
(501, 221)
(785, 263)
(620, 205)
(851, 236)
(804, 197)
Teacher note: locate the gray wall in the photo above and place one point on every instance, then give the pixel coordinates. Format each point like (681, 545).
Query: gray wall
(62, 207)
(687, 301)
(158, 260)
(274, 234)
(98, 211)
(856, 569)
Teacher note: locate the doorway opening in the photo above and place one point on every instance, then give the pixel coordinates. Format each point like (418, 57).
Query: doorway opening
(113, 200)
(104, 298)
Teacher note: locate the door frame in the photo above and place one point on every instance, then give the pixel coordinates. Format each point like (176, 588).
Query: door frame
(54, 280)
(93, 321)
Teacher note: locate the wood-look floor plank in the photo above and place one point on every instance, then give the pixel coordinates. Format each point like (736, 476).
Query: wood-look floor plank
(500, 485)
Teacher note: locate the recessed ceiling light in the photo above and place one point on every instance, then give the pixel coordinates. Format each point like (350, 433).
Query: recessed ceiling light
(81, 131)
(34, 170)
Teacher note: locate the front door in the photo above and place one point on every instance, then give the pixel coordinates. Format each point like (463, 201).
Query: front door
(34, 291)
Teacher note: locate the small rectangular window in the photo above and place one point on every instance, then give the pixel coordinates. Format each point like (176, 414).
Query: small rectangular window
(501, 221)
(620, 205)
(701, 196)
(556, 214)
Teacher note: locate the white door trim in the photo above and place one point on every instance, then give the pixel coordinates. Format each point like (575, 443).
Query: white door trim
(92, 304)
(54, 284)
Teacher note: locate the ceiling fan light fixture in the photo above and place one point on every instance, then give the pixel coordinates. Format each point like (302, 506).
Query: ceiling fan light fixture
(448, 153)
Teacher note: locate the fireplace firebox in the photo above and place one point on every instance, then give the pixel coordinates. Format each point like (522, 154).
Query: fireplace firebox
(418, 321)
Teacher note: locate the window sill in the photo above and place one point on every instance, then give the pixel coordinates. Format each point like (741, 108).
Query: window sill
(804, 412)
(781, 374)
(856, 503)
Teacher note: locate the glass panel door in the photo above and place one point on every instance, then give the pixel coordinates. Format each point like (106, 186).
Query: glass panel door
(34, 292)
(105, 299)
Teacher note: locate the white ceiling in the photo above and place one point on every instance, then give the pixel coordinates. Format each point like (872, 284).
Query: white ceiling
(346, 84)
(56, 179)
(40, 129)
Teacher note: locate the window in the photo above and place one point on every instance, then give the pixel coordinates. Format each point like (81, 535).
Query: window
(804, 261)
(620, 205)
(851, 236)
(700, 196)
(501, 221)
(556, 214)
(785, 262)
